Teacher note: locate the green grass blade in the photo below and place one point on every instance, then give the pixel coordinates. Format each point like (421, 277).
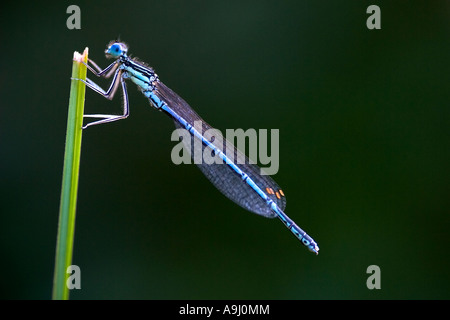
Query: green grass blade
(69, 189)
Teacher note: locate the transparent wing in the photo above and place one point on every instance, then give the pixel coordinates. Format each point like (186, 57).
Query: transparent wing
(224, 178)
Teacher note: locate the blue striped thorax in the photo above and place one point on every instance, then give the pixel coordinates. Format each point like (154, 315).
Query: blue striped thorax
(138, 72)
(143, 76)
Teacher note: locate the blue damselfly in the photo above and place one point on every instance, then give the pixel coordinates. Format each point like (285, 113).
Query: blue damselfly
(240, 181)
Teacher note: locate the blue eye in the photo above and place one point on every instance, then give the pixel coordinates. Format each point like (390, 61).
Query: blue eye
(116, 50)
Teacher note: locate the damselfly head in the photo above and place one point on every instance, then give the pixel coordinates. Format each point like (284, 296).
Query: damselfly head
(116, 49)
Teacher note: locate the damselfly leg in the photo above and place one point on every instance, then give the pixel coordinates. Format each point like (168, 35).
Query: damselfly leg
(109, 94)
(105, 73)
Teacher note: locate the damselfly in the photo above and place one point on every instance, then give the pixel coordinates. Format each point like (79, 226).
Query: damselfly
(240, 181)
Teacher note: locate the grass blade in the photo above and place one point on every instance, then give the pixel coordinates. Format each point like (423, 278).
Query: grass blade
(69, 189)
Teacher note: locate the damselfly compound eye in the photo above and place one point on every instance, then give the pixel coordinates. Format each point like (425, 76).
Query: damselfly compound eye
(116, 49)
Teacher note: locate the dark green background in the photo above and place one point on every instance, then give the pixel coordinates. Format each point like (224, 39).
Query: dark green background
(364, 150)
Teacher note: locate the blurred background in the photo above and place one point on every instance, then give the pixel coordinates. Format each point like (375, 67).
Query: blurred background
(364, 150)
